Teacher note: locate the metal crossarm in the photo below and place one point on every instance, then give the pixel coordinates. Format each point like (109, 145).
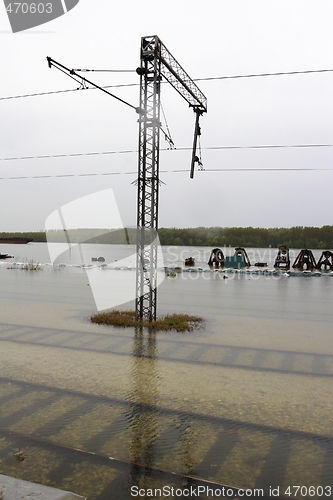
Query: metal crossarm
(179, 79)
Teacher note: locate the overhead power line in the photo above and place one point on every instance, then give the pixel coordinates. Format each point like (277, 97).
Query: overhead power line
(67, 90)
(209, 148)
(229, 77)
(134, 172)
(83, 82)
(107, 70)
(272, 146)
(96, 153)
(251, 75)
(36, 94)
(256, 75)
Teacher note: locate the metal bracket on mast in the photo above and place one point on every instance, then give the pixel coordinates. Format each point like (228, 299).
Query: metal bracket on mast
(84, 81)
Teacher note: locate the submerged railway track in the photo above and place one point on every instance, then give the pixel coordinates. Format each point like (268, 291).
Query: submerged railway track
(231, 356)
(67, 456)
(105, 443)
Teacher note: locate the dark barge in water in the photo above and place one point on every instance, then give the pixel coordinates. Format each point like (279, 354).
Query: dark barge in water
(15, 240)
(5, 256)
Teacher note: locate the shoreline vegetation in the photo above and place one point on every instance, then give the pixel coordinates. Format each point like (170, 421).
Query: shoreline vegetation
(124, 319)
(294, 237)
(26, 266)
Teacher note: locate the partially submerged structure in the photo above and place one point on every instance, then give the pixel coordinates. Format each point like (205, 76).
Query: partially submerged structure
(238, 260)
(5, 256)
(305, 260)
(326, 260)
(282, 260)
(239, 251)
(216, 258)
(190, 261)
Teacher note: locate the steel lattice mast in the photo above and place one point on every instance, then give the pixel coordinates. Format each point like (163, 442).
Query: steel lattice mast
(148, 179)
(157, 65)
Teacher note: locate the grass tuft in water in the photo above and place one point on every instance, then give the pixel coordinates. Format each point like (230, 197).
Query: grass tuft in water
(33, 266)
(178, 322)
(26, 266)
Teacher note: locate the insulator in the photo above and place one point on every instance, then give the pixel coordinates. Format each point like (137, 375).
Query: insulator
(141, 71)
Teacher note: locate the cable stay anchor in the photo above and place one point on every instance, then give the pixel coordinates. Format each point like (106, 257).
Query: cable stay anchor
(168, 139)
(84, 81)
(83, 85)
(167, 135)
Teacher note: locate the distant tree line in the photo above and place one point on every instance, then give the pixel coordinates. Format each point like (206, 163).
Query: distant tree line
(294, 237)
(39, 236)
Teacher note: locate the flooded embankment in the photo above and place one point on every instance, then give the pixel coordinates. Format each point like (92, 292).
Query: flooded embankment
(245, 401)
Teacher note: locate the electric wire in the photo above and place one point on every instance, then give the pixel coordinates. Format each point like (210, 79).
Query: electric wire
(84, 81)
(179, 149)
(271, 146)
(134, 172)
(67, 90)
(107, 70)
(36, 94)
(69, 155)
(167, 135)
(254, 75)
(251, 75)
(71, 76)
(131, 151)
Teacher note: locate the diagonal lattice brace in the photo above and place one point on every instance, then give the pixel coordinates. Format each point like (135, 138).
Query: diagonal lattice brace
(173, 72)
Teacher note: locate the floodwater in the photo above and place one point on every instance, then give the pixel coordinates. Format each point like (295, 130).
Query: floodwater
(246, 401)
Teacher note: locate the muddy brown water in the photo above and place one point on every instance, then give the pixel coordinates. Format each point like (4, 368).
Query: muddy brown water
(246, 401)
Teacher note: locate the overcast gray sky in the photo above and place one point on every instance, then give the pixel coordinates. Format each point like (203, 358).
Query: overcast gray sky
(209, 39)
